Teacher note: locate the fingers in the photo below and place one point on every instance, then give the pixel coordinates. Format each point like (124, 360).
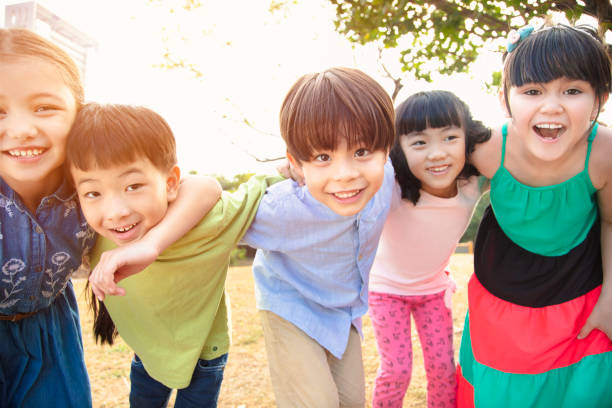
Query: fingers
(586, 329)
(102, 278)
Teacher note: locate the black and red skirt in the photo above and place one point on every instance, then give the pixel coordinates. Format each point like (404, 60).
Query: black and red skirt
(519, 346)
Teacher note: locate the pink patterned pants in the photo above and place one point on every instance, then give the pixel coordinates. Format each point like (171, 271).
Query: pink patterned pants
(390, 315)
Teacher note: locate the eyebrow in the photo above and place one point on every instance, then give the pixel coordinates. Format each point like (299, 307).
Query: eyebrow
(131, 170)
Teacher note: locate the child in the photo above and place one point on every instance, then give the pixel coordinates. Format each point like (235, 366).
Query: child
(123, 162)
(439, 190)
(538, 256)
(44, 235)
(318, 241)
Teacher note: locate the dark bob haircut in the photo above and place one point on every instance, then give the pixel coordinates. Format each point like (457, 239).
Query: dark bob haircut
(322, 108)
(433, 109)
(550, 53)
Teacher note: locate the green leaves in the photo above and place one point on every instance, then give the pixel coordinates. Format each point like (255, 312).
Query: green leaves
(445, 36)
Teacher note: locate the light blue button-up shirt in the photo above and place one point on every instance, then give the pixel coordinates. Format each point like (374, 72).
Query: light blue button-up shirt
(313, 265)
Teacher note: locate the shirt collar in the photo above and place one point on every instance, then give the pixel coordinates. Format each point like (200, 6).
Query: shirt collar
(64, 193)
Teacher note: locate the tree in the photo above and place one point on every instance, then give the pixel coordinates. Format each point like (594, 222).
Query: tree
(446, 36)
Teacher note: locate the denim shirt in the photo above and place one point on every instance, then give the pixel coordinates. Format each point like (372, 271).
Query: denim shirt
(39, 252)
(313, 265)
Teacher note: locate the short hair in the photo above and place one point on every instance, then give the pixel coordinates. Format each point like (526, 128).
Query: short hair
(433, 109)
(113, 134)
(20, 42)
(320, 108)
(558, 51)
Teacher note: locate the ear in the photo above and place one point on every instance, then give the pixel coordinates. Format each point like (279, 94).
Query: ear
(295, 165)
(501, 97)
(173, 180)
(599, 107)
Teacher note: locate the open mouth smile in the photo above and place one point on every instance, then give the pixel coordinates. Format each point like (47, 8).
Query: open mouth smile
(124, 229)
(438, 170)
(549, 132)
(26, 153)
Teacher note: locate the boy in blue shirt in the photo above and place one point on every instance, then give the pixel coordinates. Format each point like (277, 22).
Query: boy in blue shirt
(317, 242)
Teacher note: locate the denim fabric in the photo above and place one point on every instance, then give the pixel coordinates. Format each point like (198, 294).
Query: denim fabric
(41, 358)
(39, 252)
(313, 265)
(203, 391)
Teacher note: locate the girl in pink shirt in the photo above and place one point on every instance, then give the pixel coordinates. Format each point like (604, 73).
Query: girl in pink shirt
(434, 196)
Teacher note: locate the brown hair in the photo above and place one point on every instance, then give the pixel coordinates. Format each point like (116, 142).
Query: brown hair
(113, 134)
(321, 108)
(20, 42)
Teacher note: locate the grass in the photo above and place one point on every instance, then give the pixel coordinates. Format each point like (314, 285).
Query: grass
(247, 383)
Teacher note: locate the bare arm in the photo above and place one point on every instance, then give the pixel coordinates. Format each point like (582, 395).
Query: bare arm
(487, 156)
(600, 169)
(196, 197)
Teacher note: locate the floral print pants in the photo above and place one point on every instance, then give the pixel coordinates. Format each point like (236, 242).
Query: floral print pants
(390, 315)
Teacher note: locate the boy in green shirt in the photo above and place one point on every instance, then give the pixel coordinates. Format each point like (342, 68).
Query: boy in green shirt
(174, 315)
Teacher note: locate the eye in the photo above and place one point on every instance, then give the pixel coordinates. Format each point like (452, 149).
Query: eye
(45, 108)
(573, 91)
(532, 92)
(91, 194)
(133, 187)
(323, 157)
(417, 143)
(362, 152)
(450, 138)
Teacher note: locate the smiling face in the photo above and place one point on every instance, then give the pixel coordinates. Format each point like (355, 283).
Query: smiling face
(551, 118)
(436, 156)
(37, 109)
(123, 202)
(343, 179)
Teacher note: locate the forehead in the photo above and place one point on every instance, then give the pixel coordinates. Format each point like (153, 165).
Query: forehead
(436, 131)
(30, 76)
(139, 167)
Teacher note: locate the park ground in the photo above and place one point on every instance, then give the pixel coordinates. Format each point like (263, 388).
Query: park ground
(247, 382)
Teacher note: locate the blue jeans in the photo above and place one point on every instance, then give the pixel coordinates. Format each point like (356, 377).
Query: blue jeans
(203, 390)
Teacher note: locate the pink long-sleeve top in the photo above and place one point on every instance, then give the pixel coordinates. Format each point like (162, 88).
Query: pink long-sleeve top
(418, 240)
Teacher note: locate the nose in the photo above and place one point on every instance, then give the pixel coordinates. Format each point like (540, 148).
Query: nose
(436, 152)
(116, 208)
(551, 104)
(345, 169)
(18, 126)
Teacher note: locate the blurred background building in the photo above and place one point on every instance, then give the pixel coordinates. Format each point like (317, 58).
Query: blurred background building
(32, 15)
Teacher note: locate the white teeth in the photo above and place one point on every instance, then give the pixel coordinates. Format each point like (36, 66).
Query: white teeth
(125, 229)
(347, 195)
(438, 169)
(25, 153)
(548, 126)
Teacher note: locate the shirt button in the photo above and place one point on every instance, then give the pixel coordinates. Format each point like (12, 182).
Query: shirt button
(360, 257)
(38, 268)
(39, 230)
(32, 297)
(214, 348)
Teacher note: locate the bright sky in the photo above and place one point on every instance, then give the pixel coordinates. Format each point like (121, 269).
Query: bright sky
(249, 57)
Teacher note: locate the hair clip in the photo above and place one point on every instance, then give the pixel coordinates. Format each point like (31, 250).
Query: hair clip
(515, 37)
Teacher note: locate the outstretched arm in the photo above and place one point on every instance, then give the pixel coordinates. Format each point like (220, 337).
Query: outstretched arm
(601, 316)
(196, 197)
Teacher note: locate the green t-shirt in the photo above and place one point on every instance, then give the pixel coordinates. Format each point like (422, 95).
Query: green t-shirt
(175, 311)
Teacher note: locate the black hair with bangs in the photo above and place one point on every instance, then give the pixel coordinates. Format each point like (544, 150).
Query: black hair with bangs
(559, 51)
(433, 109)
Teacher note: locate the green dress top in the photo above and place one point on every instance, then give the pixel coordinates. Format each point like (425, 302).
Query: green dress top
(547, 220)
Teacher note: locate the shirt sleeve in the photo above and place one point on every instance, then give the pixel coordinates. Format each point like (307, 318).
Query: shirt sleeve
(240, 206)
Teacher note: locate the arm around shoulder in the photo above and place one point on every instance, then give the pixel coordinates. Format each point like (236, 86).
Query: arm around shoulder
(600, 170)
(486, 157)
